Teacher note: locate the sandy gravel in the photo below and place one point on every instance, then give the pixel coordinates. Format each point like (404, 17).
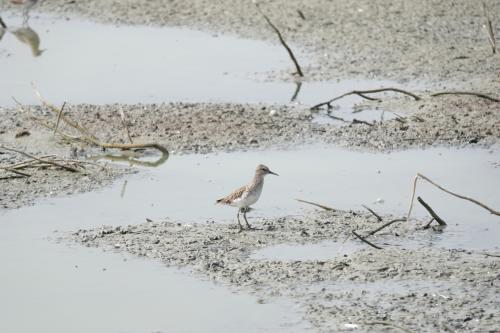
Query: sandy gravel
(442, 289)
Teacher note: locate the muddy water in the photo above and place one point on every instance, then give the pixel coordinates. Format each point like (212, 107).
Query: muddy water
(186, 187)
(49, 287)
(84, 62)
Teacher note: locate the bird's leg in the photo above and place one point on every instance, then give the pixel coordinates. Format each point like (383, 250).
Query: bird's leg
(239, 223)
(245, 217)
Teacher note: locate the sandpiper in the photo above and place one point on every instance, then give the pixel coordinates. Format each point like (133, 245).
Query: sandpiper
(247, 195)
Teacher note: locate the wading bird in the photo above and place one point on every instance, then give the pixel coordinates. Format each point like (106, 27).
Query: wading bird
(247, 195)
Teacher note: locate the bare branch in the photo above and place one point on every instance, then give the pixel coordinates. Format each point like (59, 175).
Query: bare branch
(384, 226)
(316, 204)
(362, 94)
(419, 175)
(367, 242)
(59, 118)
(371, 211)
(493, 99)
(282, 40)
(432, 212)
(489, 30)
(40, 159)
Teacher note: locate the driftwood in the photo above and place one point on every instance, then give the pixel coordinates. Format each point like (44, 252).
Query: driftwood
(363, 94)
(373, 213)
(419, 175)
(432, 212)
(316, 204)
(282, 40)
(365, 241)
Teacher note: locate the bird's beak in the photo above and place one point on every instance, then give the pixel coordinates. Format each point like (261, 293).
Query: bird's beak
(273, 173)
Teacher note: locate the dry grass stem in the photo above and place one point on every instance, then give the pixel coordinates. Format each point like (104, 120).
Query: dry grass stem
(316, 204)
(282, 40)
(419, 175)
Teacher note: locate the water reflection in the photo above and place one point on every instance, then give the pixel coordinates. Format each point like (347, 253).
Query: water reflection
(134, 158)
(29, 37)
(25, 34)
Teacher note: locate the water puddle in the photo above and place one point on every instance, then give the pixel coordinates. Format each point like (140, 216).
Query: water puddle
(77, 61)
(83, 290)
(186, 187)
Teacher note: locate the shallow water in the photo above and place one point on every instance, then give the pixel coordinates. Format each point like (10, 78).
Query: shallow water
(76, 289)
(39, 278)
(85, 62)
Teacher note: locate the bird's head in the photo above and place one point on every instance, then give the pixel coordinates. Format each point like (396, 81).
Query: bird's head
(263, 170)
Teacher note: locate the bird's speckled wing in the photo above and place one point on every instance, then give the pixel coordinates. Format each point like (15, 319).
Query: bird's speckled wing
(238, 194)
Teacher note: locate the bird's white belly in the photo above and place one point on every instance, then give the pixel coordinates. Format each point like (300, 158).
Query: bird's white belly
(250, 198)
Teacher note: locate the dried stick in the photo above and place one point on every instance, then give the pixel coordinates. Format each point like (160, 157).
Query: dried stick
(124, 123)
(371, 211)
(428, 225)
(90, 138)
(367, 242)
(357, 121)
(54, 109)
(419, 175)
(493, 99)
(383, 226)
(59, 118)
(489, 29)
(316, 204)
(298, 85)
(282, 40)
(385, 323)
(15, 171)
(432, 212)
(2, 23)
(41, 160)
(362, 94)
(491, 255)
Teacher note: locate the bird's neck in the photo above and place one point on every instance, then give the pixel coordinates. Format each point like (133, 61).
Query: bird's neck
(257, 179)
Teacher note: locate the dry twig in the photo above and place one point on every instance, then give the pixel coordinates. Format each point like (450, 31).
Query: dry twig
(59, 118)
(363, 94)
(365, 241)
(386, 323)
(316, 204)
(489, 30)
(431, 211)
(88, 137)
(419, 175)
(68, 168)
(371, 211)
(282, 40)
(383, 226)
(493, 99)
